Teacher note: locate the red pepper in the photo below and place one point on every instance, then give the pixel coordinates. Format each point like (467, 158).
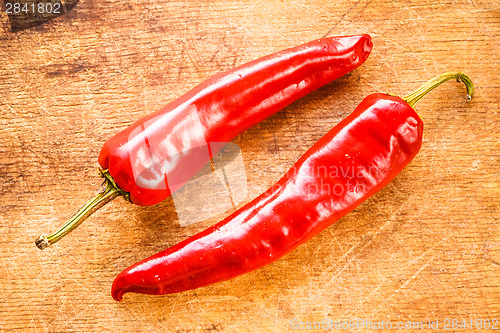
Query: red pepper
(357, 158)
(159, 153)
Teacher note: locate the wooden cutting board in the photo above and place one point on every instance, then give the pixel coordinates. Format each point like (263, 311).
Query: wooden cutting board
(424, 249)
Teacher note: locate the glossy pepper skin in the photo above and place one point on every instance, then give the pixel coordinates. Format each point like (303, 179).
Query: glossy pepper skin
(160, 152)
(357, 158)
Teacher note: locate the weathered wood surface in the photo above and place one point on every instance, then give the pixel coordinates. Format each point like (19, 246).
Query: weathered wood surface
(427, 247)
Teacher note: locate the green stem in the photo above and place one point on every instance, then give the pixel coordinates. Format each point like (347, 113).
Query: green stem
(414, 97)
(108, 192)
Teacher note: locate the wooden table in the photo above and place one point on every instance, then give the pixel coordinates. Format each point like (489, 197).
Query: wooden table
(425, 248)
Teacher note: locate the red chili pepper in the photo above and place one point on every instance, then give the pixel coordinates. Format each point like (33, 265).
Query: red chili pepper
(357, 158)
(159, 153)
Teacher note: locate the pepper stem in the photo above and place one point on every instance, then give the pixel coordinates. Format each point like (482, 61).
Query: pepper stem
(109, 190)
(414, 97)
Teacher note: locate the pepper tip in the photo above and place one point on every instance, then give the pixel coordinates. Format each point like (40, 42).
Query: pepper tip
(117, 294)
(117, 290)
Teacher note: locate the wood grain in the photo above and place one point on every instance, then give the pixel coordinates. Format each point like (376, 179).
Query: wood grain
(427, 247)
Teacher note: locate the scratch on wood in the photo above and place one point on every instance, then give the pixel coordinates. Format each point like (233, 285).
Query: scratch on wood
(342, 17)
